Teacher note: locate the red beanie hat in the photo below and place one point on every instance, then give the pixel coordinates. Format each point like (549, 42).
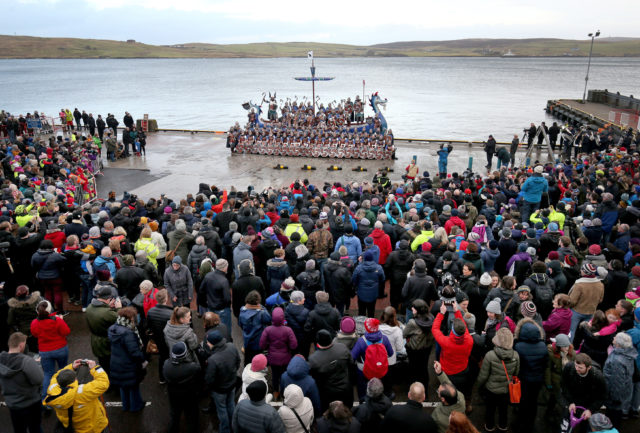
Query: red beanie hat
(371, 325)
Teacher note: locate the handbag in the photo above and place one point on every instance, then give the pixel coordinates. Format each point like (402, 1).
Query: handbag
(515, 391)
(172, 253)
(152, 347)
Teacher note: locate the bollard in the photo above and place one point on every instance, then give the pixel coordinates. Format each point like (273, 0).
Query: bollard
(471, 163)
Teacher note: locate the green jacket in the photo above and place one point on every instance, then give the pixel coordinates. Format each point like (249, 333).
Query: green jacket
(492, 374)
(553, 373)
(441, 412)
(99, 318)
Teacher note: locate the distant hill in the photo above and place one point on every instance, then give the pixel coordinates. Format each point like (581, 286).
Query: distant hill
(16, 47)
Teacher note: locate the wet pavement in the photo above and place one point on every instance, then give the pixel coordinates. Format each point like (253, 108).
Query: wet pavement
(177, 162)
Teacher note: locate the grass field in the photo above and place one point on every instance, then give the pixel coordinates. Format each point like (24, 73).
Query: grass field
(14, 47)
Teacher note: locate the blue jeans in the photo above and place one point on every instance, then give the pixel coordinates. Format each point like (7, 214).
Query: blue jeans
(131, 398)
(225, 405)
(576, 318)
(527, 209)
(87, 290)
(442, 167)
(48, 360)
(409, 315)
(225, 318)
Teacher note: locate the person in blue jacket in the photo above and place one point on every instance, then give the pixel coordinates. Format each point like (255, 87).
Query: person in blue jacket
(354, 247)
(253, 319)
(367, 279)
(532, 191)
(372, 335)
(298, 374)
(443, 159)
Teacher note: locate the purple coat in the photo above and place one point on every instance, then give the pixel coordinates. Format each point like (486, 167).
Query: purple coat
(278, 340)
(517, 257)
(559, 322)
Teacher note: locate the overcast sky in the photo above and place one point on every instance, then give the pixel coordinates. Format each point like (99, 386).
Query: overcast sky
(336, 21)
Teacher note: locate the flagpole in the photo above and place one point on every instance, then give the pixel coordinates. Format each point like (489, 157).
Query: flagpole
(363, 93)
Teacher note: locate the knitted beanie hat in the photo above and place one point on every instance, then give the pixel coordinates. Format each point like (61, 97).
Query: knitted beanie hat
(528, 309)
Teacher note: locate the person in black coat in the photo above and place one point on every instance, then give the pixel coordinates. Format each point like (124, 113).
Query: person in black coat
(128, 120)
(332, 367)
(409, 417)
(101, 125)
(338, 418)
(127, 359)
(296, 316)
(126, 141)
(220, 377)
(375, 406)
(129, 277)
(337, 281)
(157, 318)
(490, 150)
(554, 131)
(418, 286)
(183, 379)
(92, 124)
(323, 316)
(533, 363)
(247, 282)
(215, 287)
(582, 384)
(398, 265)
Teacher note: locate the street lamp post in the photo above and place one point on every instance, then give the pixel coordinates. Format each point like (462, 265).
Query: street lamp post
(593, 36)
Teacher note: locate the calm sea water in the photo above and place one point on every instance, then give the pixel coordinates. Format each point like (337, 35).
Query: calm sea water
(448, 98)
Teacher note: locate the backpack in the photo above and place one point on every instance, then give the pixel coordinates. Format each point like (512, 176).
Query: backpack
(376, 362)
(544, 295)
(482, 232)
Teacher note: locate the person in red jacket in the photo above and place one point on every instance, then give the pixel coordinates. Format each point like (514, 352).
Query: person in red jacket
(455, 349)
(51, 331)
(382, 240)
(455, 221)
(55, 235)
(217, 208)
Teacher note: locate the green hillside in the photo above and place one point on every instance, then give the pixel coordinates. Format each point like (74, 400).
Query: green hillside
(14, 47)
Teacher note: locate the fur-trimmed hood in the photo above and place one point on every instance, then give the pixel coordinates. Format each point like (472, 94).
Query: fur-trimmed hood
(528, 330)
(29, 301)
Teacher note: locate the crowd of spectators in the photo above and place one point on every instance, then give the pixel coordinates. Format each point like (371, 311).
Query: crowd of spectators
(529, 272)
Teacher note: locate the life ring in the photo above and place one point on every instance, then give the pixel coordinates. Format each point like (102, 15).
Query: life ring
(379, 154)
(340, 153)
(315, 153)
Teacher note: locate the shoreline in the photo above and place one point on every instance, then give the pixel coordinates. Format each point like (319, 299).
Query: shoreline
(445, 56)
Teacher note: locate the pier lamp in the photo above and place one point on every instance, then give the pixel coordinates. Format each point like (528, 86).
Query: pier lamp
(593, 36)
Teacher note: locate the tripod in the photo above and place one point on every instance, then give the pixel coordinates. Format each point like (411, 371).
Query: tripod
(541, 132)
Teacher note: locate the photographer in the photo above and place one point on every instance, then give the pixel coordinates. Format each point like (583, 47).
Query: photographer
(75, 393)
